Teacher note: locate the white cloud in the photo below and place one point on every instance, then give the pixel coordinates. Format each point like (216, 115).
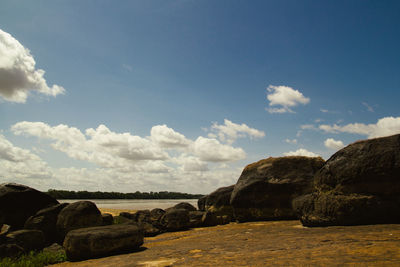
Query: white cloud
(384, 127)
(229, 131)
(301, 152)
(17, 163)
(167, 137)
(191, 164)
(307, 127)
(165, 160)
(291, 141)
(333, 144)
(212, 150)
(18, 75)
(286, 97)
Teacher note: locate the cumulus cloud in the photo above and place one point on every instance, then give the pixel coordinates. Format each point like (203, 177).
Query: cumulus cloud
(208, 149)
(18, 75)
(164, 160)
(230, 131)
(167, 137)
(285, 97)
(333, 144)
(20, 163)
(100, 146)
(384, 127)
(301, 152)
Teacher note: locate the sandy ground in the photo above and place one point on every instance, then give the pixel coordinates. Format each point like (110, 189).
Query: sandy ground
(279, 243)
(115, 212)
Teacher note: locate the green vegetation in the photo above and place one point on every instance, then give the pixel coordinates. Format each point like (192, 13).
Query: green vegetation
(34, 259)
(64, 194)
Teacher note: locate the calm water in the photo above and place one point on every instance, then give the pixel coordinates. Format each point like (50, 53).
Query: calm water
(134, 204)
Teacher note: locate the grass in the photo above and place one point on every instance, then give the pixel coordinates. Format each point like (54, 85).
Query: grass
(34, 259)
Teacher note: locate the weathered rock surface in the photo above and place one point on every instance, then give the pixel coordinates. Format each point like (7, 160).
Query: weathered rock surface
(27, 239)
(19, 202)
(218, 201)
(175, 220)
(360, 184)
(45, 220)
(101, 241)
(77, 215)
(266, 188)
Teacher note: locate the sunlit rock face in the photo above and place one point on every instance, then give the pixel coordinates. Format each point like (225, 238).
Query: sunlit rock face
(359, 184)
(266, 188)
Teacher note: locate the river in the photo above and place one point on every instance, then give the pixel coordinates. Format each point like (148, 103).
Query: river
(133, 204)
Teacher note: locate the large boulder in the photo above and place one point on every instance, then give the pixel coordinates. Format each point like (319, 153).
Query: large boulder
(77, 215)
(45, 220)
(175, 220)
(359, 184)
(266, 188)
(19, 202)
(93, 242)
(218, 202)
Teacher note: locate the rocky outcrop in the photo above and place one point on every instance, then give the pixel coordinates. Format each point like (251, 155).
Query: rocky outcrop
(19, 202)
(359, 184)
(175, 220)
(101, 241)
(45, 220)
(201, 203)
(195, 218)
(77, 215)
(266, 188)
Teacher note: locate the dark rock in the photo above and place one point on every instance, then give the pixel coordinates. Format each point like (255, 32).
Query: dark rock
(121, 219)
(77, 215)
(175, 220)
(107, 218)
(210, 219)
(218, 201)
(266, 188)
(45, 220)
(195, 218)
(185, 205)
(359, 184)
(19, 202)
(127, 215)
(27, 239)
(201, 203)
(148, 229)
(156, 214)
(10, 251)
(93, 242)
(141, 216)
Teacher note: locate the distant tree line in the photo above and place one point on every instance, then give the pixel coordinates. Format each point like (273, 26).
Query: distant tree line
(65, 194)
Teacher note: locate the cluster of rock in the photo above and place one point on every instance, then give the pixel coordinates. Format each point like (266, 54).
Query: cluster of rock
(31, 220)
(359, 184)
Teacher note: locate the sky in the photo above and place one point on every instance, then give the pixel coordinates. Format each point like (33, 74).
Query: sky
(180, 95)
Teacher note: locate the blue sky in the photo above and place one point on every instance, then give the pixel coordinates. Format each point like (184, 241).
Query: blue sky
(181, 95)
